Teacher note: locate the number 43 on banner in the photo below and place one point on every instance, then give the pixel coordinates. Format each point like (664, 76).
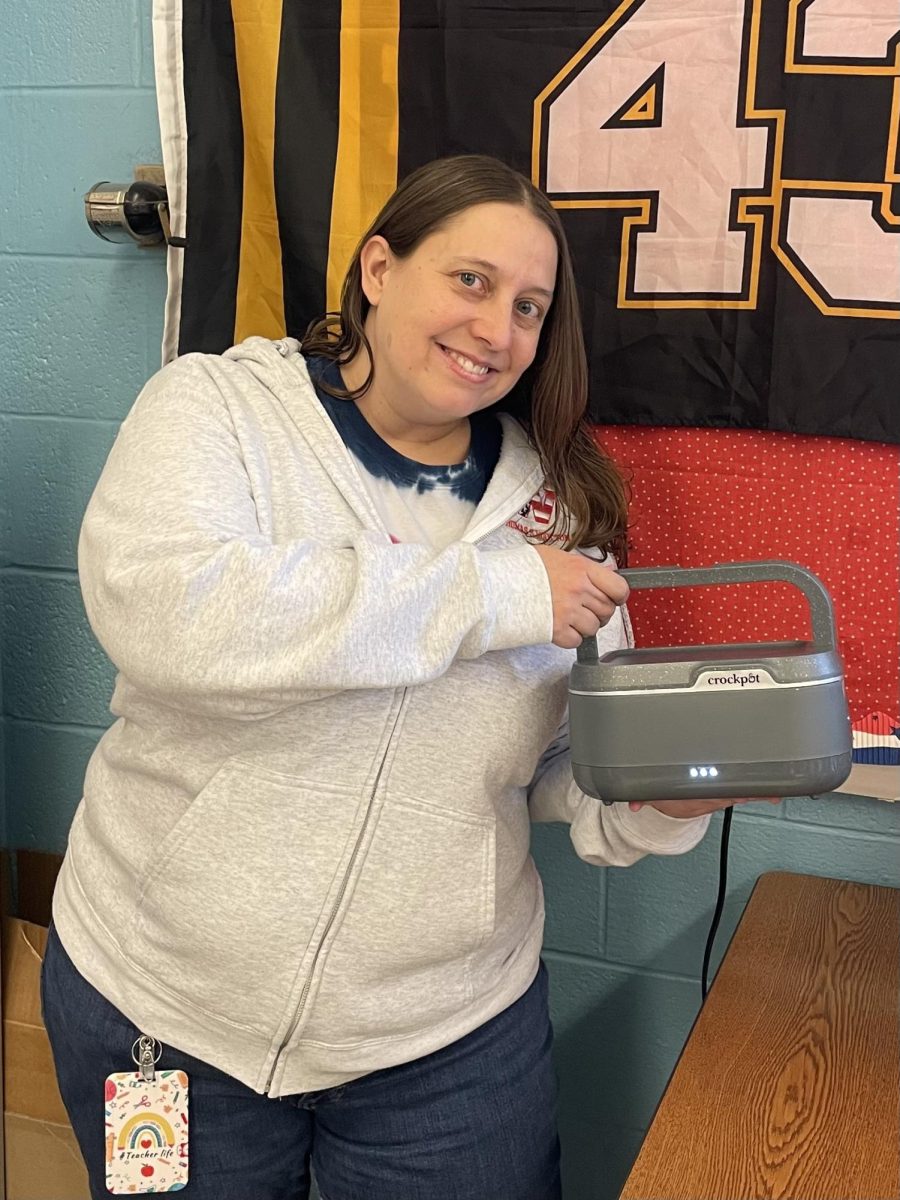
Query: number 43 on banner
(657, 115)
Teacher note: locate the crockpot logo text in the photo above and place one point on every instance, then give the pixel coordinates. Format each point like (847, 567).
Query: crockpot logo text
(734, 680)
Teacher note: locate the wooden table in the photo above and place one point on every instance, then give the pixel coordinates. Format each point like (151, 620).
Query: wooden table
(788, 1087)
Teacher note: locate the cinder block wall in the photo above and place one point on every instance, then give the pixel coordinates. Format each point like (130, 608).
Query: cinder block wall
(80, 324)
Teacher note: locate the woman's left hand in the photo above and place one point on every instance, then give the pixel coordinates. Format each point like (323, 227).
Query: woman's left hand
(697, 808)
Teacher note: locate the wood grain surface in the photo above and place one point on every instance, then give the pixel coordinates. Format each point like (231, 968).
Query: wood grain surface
(789, 1085)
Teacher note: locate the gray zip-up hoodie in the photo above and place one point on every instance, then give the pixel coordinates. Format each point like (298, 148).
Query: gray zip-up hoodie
(302, 853)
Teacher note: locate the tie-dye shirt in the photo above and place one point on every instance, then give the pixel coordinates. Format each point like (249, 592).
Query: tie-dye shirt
(416, 501)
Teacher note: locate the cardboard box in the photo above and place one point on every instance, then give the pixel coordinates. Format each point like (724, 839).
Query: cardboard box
(42, 1157)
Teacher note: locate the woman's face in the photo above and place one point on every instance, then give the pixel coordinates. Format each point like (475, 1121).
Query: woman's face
(455, 324)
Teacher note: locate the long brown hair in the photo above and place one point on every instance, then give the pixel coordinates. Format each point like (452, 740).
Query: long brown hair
(550, 400)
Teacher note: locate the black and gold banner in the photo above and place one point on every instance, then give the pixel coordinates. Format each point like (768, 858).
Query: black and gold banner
(727, 174)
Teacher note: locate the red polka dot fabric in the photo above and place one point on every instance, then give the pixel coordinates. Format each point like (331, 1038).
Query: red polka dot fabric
(705, 496)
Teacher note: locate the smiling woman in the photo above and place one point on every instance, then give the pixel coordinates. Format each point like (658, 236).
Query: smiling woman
(451, 332)
(460, 296)
(342, 583)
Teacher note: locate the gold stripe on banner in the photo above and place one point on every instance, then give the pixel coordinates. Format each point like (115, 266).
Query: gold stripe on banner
(366, 169)
(259, 307)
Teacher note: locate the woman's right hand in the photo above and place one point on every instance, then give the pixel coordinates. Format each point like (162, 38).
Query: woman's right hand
(585, 595)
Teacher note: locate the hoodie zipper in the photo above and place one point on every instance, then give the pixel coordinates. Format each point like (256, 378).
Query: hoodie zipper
(335, 908)
(338, 901)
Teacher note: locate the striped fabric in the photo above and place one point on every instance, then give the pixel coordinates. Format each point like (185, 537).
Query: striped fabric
(727, 174)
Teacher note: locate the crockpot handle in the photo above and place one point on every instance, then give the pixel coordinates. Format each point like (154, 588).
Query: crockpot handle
(820, 606)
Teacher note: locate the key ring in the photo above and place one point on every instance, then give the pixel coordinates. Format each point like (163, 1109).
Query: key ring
(150, 1054)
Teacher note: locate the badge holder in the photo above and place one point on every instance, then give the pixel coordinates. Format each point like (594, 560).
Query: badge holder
(146, 1125)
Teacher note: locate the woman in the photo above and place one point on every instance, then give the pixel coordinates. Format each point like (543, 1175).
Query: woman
(338, 583)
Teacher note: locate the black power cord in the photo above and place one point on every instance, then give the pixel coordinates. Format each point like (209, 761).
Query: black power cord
(720, 899)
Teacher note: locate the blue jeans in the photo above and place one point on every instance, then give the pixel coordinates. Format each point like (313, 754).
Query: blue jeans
(474, 1121)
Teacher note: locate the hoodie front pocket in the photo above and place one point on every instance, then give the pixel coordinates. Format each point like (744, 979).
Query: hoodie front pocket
(240, 891)
(423, 903)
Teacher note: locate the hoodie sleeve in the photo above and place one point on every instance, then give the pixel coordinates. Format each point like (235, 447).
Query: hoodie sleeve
(196, 605)
(605, 835)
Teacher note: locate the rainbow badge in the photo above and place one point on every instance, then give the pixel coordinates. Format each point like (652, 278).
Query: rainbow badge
(146, 1132)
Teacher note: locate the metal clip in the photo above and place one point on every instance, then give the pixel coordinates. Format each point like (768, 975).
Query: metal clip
(146, 1053)
(163, 210)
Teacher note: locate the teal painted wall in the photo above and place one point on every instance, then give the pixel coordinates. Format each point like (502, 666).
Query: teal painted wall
(80, 325)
